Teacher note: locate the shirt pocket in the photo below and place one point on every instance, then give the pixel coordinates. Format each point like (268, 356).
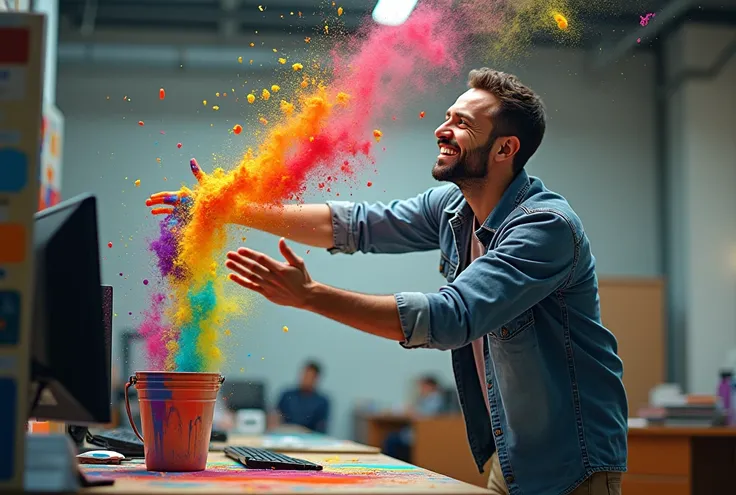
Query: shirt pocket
(514, 328)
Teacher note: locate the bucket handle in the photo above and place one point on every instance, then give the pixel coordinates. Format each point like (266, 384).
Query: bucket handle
(131, 381)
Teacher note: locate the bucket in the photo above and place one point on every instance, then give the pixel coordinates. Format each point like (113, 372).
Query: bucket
(176, 415)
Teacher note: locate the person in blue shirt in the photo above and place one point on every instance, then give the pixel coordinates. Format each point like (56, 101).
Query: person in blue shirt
(304, 405)
(430, 401)
(538, 375)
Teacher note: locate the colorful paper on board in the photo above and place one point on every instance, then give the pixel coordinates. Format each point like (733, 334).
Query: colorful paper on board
(9, 318)
(8, 393)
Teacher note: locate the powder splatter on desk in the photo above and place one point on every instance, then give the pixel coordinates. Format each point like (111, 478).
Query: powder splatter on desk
(373, 472)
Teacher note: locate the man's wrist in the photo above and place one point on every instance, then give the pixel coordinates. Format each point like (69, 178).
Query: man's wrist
(314, 292)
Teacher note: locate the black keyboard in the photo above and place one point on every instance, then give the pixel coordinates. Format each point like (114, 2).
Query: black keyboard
(255, 458)
(121, 440)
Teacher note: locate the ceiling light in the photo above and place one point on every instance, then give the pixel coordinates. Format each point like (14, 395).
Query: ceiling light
(393, 12)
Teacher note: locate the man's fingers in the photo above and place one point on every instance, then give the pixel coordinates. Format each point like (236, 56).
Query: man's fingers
(288, 254)
(196, 170)
(260, 258)
(163, 194)
(255, 267)
(162, 211)
(243, 282)
(243, 271)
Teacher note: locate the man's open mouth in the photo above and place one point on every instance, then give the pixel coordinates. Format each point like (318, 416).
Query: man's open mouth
(446, 150)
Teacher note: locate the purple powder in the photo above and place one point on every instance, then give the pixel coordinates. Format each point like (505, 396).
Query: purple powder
(166, 249)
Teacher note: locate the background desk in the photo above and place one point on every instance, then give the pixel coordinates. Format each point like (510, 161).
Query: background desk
(374, 428)
(662, 461)
(343, 474)
(681, 461)
(440, 443)
(295, 441)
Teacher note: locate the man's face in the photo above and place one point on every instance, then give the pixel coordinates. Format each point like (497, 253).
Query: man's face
(309, 379)
(464, 138)
(425, 388)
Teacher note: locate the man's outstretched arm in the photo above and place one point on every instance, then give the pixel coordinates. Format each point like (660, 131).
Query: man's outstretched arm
(535, 257)
(339, 226)
(377, 315)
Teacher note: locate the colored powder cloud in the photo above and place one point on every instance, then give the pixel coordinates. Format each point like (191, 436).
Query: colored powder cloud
(322, 127)
(154, 332)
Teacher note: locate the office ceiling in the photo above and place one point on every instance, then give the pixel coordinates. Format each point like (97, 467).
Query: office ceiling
(223, 21)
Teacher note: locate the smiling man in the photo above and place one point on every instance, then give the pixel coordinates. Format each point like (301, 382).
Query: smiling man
(538, 375)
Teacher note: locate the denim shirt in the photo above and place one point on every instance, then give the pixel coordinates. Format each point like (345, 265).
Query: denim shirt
(558, 408)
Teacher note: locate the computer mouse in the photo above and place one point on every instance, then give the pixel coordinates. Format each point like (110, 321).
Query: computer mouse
(100, 457)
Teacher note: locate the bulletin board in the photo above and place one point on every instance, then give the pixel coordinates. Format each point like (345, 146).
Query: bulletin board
(21, 94)
(52, 137)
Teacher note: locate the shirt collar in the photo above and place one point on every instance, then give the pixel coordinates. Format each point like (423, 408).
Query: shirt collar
(511, 198)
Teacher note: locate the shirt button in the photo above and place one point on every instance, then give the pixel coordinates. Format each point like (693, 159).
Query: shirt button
(504, 332)
(497, 432)
(509, 479)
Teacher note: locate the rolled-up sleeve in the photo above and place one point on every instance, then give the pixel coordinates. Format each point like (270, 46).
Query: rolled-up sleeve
(400, 226)
(535, 256)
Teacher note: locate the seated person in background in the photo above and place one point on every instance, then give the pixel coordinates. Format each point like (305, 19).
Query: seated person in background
(304, 405)
(429, 402)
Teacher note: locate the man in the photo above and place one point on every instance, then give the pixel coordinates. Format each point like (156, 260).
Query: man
(538, 375)
(429, 402)
(305, 405)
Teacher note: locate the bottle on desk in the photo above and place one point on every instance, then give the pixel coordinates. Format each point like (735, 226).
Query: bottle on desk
(725, 394)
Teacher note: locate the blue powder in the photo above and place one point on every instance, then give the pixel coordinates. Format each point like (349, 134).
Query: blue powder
(203, 302)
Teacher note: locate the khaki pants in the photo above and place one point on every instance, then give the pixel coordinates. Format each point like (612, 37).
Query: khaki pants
(598, 484)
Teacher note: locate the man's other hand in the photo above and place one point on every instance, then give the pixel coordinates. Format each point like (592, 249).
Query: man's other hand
(284, 283)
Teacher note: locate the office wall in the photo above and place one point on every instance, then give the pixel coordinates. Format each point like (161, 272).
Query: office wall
(598, 153)
(702, 177)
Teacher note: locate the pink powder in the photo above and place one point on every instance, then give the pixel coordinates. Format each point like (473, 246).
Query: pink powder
(154, 331)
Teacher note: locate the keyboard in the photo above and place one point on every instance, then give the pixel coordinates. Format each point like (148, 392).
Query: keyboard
(121, 440)
(255, 458)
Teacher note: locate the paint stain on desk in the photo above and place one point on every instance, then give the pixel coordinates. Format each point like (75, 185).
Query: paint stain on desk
(234, 476)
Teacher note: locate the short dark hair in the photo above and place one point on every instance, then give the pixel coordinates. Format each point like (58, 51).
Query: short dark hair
(430, 380)
(520, 113)
(314, 366)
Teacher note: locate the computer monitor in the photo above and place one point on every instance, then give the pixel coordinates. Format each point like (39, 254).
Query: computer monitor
(70, 370)
(243, 395)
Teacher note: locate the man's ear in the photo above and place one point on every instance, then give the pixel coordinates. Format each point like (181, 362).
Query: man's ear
(508, 146)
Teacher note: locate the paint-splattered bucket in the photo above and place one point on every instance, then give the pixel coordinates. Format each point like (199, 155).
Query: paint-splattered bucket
(176, 414)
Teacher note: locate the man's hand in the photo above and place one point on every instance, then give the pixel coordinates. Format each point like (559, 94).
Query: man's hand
(174, 199)
(283, 283)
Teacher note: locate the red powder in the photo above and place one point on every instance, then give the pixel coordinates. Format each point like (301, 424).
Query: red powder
(178, 145)
(109, 244)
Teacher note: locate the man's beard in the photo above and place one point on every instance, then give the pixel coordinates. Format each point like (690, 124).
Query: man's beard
(468, 167)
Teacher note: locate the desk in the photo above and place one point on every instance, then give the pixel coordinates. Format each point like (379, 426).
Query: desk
(344, 474)
(293, 441)
(681, 461)
(376, 427)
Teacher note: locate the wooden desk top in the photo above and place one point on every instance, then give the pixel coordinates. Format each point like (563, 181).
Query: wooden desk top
(678, 431)
(387, 416)
(296, 442)
(343, 474)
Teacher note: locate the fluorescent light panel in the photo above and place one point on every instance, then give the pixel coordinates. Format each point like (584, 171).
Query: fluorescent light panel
(393, 12)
